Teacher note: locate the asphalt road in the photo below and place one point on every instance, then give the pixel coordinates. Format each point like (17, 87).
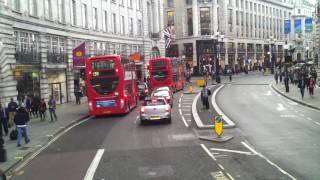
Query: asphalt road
(131, 151)
(285, 132)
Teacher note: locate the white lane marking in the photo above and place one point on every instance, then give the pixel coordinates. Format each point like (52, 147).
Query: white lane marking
(293, 103)
(187, 98)
(231, 178)
(280, 107)
(288, 116)
(189, 120)
(180, 112)
(186, 106)
(184, 121)
(309, 119)
(268, 93)
(208, 152)
(216, 107)
(221, 167)
(94, 164)
(186, 109)
(179, 105)
(180, 101)
(233, 151)
(270, 162)
(317, 123)
(187, 114)
(302, 115)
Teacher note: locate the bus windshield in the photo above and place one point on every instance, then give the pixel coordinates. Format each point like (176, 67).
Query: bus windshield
(104, 85)
(160, 75)
(104, 80)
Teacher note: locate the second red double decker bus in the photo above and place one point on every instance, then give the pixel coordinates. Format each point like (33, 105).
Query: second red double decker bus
(167, 71)
(111, 85)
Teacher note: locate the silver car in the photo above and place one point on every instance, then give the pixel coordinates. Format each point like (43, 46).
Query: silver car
(154, 109)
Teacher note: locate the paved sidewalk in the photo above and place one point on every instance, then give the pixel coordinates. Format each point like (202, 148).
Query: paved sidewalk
(40, 132)
(294, 94)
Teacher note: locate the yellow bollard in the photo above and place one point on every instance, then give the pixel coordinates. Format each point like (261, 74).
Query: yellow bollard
(190, 89)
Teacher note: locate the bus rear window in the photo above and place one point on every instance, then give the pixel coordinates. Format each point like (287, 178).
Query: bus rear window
(105, 85)
(102, 64)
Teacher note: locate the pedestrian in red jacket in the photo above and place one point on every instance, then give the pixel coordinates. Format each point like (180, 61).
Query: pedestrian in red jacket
(311, 86)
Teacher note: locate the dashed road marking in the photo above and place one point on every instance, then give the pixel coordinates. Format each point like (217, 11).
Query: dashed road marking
(266, 159)
(94, 164)
(187, 114)
(232, 151)
(208, 152)
(221, 167)
(231, 178)
(184, 121)
(317, 123)
(309, 119)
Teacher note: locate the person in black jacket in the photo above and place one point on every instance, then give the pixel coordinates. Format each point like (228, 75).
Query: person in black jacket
(12, 108)
(21, 118)
(4, 119)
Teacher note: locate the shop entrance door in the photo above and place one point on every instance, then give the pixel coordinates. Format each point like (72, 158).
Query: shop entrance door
(56, 92)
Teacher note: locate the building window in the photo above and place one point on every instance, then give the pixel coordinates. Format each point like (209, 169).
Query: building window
(190, 22)
(73, 13)
(170, 18)
(16, 5)
(205, 21)
(122, 2)
(105, 21)
(61, 11)
(149, 17)
(230, 19)
(56, 49)
(95, 18)
(122, 25)
(114, 23)
(188, 2)
(299, 11)
(170, 3)
(48, 9)
(33, 11)
(131, 26)
(139, 28)
(84, 16)
(26, 47)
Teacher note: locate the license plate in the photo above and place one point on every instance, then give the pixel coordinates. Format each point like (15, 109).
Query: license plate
(107, 112)
(155, 117)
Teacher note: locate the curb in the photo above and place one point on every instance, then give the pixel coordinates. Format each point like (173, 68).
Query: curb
(9, 171)
(197, 119)
(294, 99)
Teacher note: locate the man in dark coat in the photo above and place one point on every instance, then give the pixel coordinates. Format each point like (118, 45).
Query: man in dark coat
(21, 119)
(4, 120)
(205, 93)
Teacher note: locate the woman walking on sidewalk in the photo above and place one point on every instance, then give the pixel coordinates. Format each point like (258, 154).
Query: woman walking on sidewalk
(311, 86)
(42, 110)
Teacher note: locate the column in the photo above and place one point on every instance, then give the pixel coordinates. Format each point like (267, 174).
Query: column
(69, 72)
(194, 44)
(155, 11)
(195, 19)
(214, 17)
(44, 85)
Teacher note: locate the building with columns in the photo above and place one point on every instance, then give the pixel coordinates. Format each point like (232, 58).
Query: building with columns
(253, 31)
(317, 32)
(302, 38)
(37, 39)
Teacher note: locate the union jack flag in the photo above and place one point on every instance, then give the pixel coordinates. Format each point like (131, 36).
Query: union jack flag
(168, 33)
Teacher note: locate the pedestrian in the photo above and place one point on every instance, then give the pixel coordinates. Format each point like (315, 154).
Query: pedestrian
(12, 108)
(27, 103)
(230, 75)
(280, 76)
(77, 95)
(276, 77)
(311, 86)
(205, 93)
(302, 86)
(34, 108)
(4, 119)
(21, 119)
(286, 82)
(42, 109)
(52, 108)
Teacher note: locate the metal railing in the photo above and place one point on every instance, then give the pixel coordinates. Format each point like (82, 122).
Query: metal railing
(28, 57)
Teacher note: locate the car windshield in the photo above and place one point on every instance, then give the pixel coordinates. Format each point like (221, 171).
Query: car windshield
(155, 102)
(161, 93)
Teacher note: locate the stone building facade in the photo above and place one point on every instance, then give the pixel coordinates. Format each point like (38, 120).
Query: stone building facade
(37, 39)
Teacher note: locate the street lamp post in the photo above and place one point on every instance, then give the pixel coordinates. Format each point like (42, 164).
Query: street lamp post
(307, 55)
(218, 38)
(271, 41)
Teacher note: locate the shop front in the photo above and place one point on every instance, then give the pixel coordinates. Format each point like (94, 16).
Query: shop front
(58, 86)
(28, 84)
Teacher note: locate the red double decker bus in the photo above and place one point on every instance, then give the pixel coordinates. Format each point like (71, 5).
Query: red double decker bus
(111, 85)
(167, 71)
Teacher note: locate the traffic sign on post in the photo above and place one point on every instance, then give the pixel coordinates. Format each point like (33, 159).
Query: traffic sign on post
(218, 125)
